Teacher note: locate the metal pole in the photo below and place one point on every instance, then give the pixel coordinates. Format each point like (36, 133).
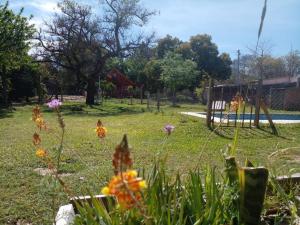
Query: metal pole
(209, 103)
(238, 70)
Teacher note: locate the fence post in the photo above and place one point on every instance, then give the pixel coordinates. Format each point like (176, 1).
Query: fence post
(209, 103)
(257, 102)
(148, 100)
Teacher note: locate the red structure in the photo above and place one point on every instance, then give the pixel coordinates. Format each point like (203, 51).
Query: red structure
(121, 81)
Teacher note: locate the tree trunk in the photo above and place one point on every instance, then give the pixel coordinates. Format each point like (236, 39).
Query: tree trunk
(90, 92)
(131, 100)
(61, 91)
(39, 89)
(141, 94)
(148, 100)
(158, 99)
(4, 87)
(174, 98)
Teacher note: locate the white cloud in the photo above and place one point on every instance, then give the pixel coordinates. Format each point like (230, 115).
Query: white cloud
(46, 6)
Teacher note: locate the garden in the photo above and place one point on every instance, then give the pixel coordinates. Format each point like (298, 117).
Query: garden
(104, 121)
(86, 159)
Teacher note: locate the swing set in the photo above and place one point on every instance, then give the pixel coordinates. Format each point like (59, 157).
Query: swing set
(221, 111)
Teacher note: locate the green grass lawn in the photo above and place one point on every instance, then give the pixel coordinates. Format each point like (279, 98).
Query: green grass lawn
(25, 196)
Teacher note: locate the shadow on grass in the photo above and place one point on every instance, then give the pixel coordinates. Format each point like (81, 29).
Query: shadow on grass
(246, 132)
(99, 110)
(6, 113)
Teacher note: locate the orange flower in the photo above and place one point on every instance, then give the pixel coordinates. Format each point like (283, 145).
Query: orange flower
(36, 139)
(121, 158)
(36, 112)
(126, 187)
(236, 102)
(40, 123)
(41, 153)
(38, 118)
(234, 105)
(100, 130)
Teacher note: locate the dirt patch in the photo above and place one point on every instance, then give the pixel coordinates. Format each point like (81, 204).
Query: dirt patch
(23, 222)
(46, 172)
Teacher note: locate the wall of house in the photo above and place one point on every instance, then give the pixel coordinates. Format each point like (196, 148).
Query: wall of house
(292, 99)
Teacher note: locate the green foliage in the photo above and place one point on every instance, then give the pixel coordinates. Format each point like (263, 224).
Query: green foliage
(206, 55)
(107, 87)
(195, 200)
(14, 44)
(15, 35)
(166, 45)
(153, 71)
(23, 82)
(85, 157)
(178, 73)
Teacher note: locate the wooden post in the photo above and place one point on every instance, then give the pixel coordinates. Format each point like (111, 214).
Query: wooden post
(158, 99)
(209, 103)
(141, 93)
(264, 107)
(257, 102)
(148, 100)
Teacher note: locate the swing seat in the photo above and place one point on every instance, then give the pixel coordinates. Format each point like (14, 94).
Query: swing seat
(219, 105)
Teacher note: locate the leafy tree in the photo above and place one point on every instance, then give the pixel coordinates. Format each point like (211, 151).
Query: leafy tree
(185, 50)
(135, 64)
(14, 45)
(178, 73)
(223, 67)
(167, 44)
(205, 53)
(23, 82)
(153, 71)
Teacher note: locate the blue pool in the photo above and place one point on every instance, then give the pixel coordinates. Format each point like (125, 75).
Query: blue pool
(262, 116)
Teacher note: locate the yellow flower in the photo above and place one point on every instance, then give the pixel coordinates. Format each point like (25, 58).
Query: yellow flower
(38, 118)
(132, 173)
(143, 184)
(105, 191)
(126, 187)
(40, 122)
(101, 131)
(41, 153)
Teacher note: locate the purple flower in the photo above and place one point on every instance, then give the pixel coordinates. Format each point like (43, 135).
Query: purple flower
(55, 103)
(169, 129)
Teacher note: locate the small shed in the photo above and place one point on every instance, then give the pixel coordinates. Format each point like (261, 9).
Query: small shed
(121, 81)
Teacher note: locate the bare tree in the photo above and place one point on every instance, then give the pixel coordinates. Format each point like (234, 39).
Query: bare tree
(74, 41)
(81, 42)
(292, 62)
(121, 20)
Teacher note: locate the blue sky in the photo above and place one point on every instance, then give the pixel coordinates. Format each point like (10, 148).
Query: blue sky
(233, 24)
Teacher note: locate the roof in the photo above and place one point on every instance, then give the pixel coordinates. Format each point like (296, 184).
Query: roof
(284, 80)
(119, 79)
(280, 80)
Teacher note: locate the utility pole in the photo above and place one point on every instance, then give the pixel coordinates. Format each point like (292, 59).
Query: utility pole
(238, 71)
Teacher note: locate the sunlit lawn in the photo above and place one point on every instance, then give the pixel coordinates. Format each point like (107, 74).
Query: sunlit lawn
(24, 195)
